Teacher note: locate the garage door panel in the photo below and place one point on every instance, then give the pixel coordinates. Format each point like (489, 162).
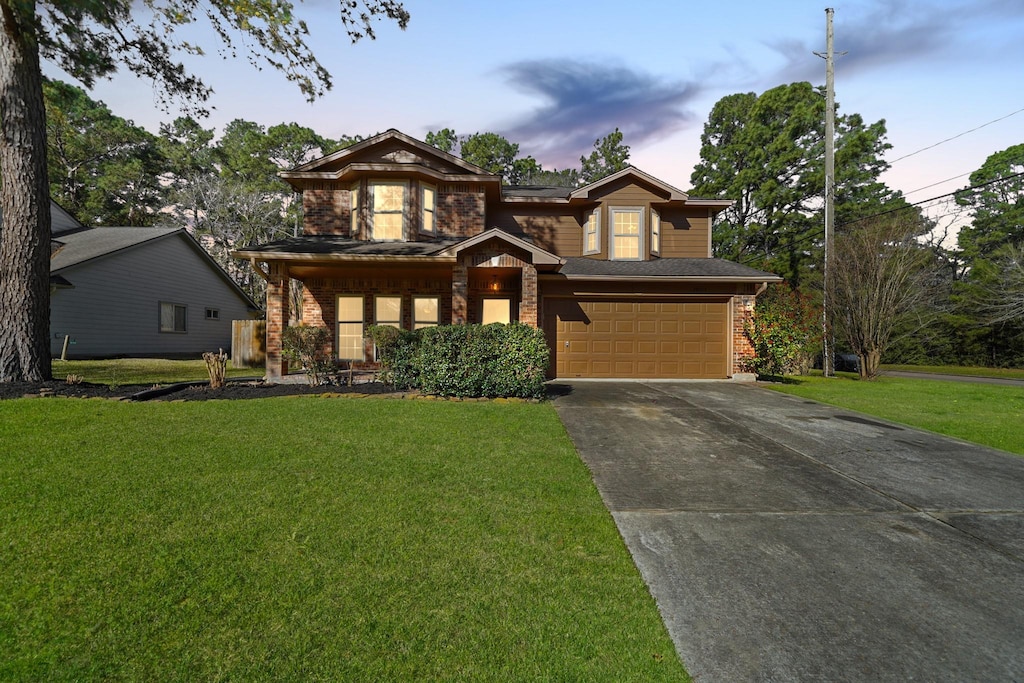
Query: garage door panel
(641, 339)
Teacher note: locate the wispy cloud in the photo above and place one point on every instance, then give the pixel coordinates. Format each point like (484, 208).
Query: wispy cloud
(584, 101)
(894, 33)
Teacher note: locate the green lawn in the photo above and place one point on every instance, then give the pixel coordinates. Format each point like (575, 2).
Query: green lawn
(121, 371)
(311, 539)
(1005, 373)
(987, 414)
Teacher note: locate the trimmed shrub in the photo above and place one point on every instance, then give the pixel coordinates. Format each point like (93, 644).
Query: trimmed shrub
(467, 360)
(306, 345)
(397, 353)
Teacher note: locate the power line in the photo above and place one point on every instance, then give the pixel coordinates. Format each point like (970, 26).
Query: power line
(958, 135)
(937, 183)
(813, 235)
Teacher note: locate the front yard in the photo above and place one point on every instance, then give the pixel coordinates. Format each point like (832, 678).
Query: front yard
(991, 415)
(311, 539)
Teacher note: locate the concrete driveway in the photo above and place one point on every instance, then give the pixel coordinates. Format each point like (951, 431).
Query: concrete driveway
(786, 540)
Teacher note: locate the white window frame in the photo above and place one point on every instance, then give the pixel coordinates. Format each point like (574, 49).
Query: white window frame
(173, 328)
(424, 188)
(417, 322)
(339, 322)
(655, 232)
(639, 235)
(371, 197)
(592, 227)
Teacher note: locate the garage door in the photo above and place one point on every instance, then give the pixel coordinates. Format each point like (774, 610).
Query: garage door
(620, 339)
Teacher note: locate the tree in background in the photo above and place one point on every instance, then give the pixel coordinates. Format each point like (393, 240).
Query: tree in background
(102, 168)
(767, 154)
(89, 41)
(996, 199)
(609, 156)
(881, 281)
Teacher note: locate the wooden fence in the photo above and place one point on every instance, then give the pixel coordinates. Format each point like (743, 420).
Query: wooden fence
(248, 343)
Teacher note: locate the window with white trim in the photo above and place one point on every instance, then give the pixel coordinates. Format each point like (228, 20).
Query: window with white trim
(592, 233)
(428, 203)
(387, 310)
(388, 210)
(655, 232)
(173, 317)
(426, 311)
(350, 327)
(626, 234)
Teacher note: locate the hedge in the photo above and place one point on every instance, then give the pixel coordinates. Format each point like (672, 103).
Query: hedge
(465, 360)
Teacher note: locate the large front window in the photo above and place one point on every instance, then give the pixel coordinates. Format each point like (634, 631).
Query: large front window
(388, 310)
(350, 327)
(388, 210)
(627, 227)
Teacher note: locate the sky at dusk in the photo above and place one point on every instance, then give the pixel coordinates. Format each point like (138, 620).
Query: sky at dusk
(555, 75)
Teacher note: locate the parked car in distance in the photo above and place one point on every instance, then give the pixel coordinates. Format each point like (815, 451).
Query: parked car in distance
(847, 362)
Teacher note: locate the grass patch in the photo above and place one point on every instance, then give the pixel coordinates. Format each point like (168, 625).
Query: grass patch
(311, 539)
(1002, 373)
(120, 371)
(986, 414)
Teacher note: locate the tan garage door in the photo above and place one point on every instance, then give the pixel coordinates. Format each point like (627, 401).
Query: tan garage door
(619, 339)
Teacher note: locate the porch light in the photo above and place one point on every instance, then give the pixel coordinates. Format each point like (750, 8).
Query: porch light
(494, 283)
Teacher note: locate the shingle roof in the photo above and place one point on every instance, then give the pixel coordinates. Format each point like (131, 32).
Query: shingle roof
(545, 191)
(665, 267)
(332, 244)
(84, 245)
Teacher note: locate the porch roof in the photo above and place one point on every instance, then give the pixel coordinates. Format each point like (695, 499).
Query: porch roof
(335, 246)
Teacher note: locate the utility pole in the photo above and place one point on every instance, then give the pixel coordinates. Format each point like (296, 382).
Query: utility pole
(828, 350)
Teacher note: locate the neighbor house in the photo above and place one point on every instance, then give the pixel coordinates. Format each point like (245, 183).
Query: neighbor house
(618, 273)
(137, 292)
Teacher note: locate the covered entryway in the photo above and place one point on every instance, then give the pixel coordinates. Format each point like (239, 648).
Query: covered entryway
(622, 338)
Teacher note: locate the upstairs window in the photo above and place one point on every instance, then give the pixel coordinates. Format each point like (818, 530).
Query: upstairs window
(592, 233)
(354, 209)
(655, 232)
(388, 210)
(627, 229)
(428, 200)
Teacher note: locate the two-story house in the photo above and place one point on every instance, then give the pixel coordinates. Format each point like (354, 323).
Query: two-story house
(618, 273)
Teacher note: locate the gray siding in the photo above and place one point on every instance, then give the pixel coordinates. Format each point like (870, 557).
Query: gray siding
(114, 307)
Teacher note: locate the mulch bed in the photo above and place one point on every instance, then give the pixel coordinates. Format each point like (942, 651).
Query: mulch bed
(202, 392)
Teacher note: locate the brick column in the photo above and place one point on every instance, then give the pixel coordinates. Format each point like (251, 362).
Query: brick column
(742, 349)
(277, 317)
(528, 298)
(460, 294)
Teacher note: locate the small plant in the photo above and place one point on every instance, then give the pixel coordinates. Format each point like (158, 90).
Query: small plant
(73, 379)
(307, 346)
(217, 366)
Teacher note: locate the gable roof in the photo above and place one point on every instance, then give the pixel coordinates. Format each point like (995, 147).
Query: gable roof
(346, 160)
(540, 256)
(91, 244)
(674, 194)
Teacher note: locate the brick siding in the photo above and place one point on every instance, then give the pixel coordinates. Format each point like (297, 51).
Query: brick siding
(742, 349)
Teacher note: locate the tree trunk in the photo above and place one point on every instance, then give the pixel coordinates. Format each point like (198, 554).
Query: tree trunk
(25, 203)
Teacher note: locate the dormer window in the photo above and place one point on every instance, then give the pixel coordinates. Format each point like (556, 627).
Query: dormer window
(626, 232)
(592, 233)
(388, 215)
(655, 232)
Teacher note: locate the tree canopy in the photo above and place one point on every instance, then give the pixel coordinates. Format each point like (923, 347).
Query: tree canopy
(92, 40)
(766, 152)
